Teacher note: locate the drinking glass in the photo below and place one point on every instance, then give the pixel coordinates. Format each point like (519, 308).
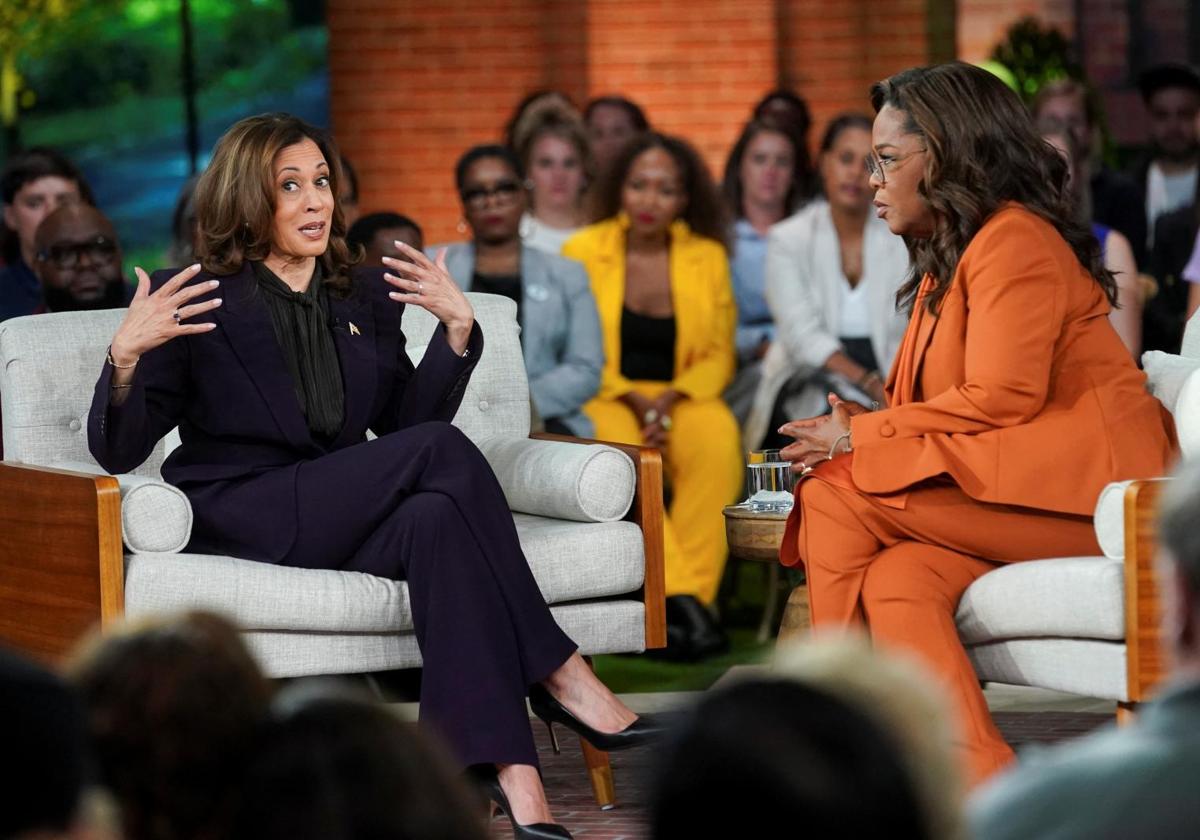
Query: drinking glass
(769, 480)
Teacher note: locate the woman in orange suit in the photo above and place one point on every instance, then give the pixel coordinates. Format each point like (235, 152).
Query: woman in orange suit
(661, 280)
(1010, 405)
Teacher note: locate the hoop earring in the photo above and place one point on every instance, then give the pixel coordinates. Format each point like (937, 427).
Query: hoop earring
(461, 227)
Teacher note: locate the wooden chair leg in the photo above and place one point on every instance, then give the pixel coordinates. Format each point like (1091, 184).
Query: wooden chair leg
(601, 775)
(1126, 713)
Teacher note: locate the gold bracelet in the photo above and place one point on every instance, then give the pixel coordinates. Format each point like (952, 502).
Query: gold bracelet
(842, 437)
(121, 367)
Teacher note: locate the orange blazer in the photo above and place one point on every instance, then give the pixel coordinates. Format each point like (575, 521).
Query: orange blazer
(705, 314)
(1019, 389)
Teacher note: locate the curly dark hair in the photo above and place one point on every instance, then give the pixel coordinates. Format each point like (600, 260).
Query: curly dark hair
(704, 211)
(974, 165)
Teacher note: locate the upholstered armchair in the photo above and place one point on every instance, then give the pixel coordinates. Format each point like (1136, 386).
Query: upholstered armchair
(78, 546)
(1090, 625)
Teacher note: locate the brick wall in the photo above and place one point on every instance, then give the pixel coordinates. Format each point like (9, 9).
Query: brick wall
(413, 84)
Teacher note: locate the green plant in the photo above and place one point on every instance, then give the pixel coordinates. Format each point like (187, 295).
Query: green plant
(1035, 55)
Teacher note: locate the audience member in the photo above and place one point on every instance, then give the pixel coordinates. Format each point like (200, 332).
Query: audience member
(1137, 780)
(1106, 197)
(1011, 390)
(612, 123)
(529, 110)
(332, 766)
(761, 187)
(560, 330)
(172, 706)
(839, 742)
(348, 200)
(45, 753)
(182, 250)
(1168, 178)
(788, 110)
(661, 280)
(832, 274)
(1126, 314)
(378, 233)
(32, 185)
(553, 151)
(78, 261)
(902, 697)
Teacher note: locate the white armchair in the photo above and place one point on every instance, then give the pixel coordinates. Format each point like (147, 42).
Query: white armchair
(78, 546)
(1090, 625)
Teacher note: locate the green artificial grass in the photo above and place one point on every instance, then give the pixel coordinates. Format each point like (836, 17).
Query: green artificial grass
(742, 599)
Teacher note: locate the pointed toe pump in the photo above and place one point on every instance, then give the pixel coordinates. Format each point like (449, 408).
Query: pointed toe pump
(643, 730)
(489, 782)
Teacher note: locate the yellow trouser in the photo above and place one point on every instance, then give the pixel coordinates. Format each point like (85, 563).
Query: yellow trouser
(703, 461)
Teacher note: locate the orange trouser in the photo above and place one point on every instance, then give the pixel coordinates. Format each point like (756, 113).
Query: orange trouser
(902, 572)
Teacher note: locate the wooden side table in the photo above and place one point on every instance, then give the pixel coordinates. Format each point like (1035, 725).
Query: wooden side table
(756, 535)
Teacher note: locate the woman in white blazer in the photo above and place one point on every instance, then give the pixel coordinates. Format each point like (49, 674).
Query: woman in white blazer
(832, 274)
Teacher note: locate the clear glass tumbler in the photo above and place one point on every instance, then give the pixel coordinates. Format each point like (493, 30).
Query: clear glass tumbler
(769, 480)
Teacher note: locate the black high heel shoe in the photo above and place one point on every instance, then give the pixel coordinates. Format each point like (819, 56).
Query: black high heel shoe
(550, 712)
(488, 780)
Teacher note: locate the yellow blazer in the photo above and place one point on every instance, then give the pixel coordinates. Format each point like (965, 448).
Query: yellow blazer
(701, 292)
(1019, 390)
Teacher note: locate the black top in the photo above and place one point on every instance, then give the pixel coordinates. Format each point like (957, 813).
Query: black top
(647, 347)
(861, 351)
(301, 322)
(505, 285)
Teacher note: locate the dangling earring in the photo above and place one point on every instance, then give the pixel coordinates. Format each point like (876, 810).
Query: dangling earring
(529, 185)
(525, 228)
(461, 227)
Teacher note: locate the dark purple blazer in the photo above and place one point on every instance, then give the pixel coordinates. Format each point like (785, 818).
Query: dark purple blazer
(244, 435)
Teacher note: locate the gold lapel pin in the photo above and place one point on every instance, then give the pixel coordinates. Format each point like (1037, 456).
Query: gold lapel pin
(354, 330)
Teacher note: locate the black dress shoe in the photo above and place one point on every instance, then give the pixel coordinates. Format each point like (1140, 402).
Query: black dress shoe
(489, 781)
(550, 712)
(692, 632)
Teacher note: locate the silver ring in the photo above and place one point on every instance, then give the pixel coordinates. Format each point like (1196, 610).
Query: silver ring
(419, 289)
(650, 416)
(175, 315)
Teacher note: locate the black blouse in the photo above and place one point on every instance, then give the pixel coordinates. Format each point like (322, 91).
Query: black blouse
(647, 347)
(505, 285)
(301, 322)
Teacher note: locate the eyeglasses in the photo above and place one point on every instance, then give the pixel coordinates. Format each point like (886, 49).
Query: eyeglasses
(98, 250)
(504, 191)
(878, 167)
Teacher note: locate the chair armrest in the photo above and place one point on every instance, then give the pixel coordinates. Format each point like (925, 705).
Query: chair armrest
(647, 512)
(61, 563)
(1145, 657)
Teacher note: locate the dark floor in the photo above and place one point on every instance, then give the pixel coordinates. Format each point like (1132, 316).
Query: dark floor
(571, 795)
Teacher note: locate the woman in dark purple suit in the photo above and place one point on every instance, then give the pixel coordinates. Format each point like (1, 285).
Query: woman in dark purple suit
(274, 357)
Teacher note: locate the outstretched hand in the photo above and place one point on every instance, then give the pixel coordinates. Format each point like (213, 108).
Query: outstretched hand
(155, 318)
(428, 284)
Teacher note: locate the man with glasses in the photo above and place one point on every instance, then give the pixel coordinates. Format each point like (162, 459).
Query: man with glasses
(78, 261)
(32, 185)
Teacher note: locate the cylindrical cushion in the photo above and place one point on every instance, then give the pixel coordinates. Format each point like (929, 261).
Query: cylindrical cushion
(1109, 519)
(1187, 415)
(156, 517)
(561, 480)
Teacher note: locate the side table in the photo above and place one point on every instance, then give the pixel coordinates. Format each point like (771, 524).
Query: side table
(756, 535)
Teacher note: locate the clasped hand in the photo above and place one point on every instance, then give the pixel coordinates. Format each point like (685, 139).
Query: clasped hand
(816, 436)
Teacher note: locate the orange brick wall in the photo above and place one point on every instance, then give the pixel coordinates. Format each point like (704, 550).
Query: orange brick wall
(983, 23)
(413, 84)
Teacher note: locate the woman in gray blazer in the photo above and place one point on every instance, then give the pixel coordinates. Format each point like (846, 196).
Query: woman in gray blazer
(560, 329)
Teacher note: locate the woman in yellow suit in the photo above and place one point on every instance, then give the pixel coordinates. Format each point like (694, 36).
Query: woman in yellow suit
(660, 275)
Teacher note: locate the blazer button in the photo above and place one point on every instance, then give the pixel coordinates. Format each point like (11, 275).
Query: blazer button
(75, 425)
(483, 405)
(887, 430)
